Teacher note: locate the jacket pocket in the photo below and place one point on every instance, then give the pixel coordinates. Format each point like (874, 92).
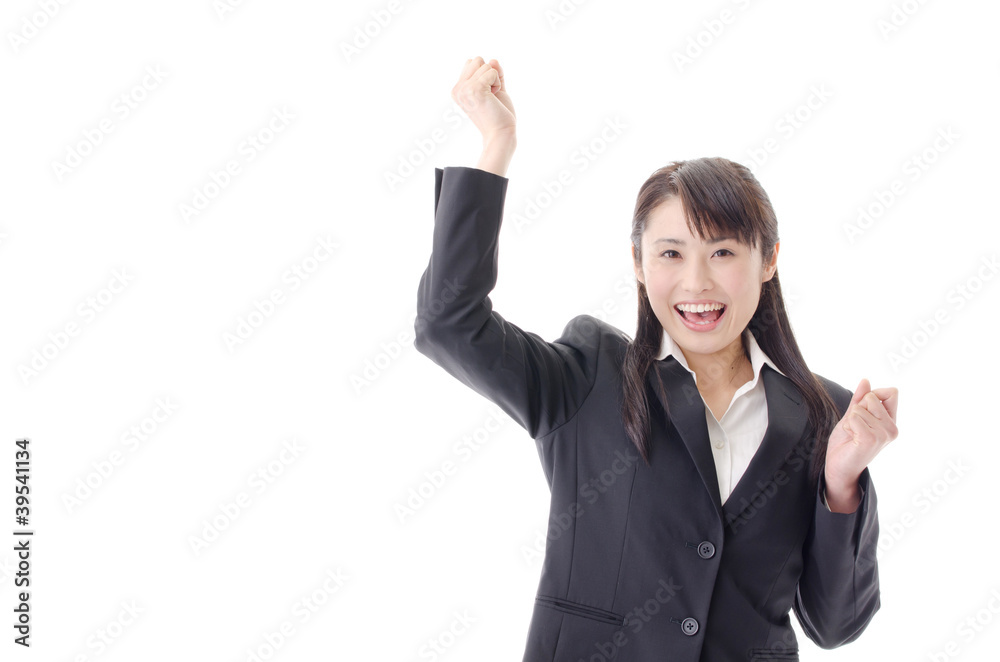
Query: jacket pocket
(772, 655)
(578, 609)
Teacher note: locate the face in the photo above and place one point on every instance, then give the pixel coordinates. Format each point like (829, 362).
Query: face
(678, 268)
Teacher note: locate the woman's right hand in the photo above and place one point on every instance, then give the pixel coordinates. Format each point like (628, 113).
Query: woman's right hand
(482, 94)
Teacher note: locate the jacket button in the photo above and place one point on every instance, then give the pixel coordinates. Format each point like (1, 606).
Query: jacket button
(689, 626)
(706, 550)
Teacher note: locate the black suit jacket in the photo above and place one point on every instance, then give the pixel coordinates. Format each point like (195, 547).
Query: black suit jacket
(644, 562)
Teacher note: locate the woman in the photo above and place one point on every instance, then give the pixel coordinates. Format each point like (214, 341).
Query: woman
(704, 482)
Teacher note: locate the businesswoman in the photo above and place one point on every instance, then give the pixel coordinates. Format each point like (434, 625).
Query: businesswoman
(704, 482)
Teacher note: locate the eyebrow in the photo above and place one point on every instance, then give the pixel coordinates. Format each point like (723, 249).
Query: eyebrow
(679, 242)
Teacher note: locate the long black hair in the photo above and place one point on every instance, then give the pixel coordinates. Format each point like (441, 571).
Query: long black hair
(720, 198)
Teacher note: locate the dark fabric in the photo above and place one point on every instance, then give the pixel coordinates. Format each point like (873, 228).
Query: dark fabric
(643, 562)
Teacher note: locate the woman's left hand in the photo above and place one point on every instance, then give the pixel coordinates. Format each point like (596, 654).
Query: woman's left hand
(868, 425)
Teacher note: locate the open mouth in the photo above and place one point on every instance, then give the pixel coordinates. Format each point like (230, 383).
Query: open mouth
(701, 319)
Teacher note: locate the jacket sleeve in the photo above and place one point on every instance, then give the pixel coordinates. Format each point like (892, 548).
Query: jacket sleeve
(838, 591)
(539, 384)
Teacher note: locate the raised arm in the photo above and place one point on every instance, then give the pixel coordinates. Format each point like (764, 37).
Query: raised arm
(539, 384)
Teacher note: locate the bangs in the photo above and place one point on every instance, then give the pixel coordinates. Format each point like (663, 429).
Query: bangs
(717, 204)
(719, 198)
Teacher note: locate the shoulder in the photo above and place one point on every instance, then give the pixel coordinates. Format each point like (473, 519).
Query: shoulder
(590, 334)
(840, 395)
(596, 339)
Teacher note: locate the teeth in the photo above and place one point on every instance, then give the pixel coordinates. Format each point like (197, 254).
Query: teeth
(698, 308)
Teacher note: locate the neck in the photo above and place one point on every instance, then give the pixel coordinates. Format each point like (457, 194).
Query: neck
(725, 368)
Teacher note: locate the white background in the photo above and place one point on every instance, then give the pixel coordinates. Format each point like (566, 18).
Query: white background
(367, 439)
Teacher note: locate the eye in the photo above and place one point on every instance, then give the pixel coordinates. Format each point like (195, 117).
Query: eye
(721, 250)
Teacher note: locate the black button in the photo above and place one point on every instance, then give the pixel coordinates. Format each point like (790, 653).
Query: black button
(689, 626)
(706, 550)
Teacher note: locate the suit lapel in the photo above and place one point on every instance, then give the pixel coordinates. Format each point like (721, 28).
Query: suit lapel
(786, 415)
(786, 420)
(687, 414)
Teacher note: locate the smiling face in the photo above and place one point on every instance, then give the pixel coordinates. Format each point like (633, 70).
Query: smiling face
(678, 268)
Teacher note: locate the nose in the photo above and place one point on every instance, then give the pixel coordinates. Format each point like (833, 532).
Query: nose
(696, 277)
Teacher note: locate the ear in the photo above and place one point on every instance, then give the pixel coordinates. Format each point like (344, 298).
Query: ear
(771, 266)
(637, 268)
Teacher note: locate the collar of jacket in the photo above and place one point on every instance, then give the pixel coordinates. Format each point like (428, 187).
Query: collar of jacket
(786, 419)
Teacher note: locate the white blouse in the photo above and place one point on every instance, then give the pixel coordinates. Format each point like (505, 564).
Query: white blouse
(737, 436)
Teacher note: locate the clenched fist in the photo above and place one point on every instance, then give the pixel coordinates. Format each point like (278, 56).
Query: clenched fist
(482, 94)
(868, 425)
